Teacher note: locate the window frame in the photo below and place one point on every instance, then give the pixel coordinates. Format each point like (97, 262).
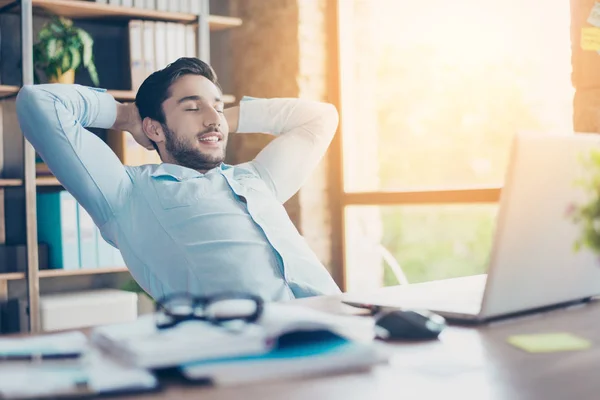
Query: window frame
(340, 198)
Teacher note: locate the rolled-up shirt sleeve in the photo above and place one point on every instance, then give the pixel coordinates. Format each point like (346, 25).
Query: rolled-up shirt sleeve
(304, 128)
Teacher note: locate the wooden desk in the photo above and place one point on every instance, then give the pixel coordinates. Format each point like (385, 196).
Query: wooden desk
(466, 363)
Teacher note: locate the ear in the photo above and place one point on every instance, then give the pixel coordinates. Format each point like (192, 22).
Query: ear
(153, 130)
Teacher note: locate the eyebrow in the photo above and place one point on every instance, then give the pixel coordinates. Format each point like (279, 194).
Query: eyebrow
(196, 98)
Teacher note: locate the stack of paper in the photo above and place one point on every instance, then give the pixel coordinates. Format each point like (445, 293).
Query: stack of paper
(287, 341)
(64, 364)
(54, 346)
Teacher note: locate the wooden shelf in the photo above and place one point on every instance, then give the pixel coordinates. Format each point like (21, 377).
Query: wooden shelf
(56, 273)
(122, 95)
(12, 276)
(129, 95)
(7, 90)
(53, 273)
(219, 22)
(228, 99)
(10, 182)
(47, 181)
(88, 9)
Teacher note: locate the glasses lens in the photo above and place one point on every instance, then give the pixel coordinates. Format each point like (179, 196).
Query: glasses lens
(163, 320)
(179, 307)
(228, 309)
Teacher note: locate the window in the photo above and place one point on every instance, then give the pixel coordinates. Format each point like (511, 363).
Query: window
(432, 94)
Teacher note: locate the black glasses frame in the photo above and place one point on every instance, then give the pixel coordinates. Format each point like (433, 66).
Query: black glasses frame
(203, 302)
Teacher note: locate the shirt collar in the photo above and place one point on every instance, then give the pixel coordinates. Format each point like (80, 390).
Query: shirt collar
(180, 173)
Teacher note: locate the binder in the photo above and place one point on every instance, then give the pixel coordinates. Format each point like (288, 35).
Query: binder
(174, 6)
(172, 48)
(195, 7)
(180, 41)
(191, 49)
(136, 54)
(86, 228)
(57, 227)
(148, 53)
(160, 44)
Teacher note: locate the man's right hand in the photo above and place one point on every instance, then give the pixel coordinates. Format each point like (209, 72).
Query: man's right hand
(128, 119)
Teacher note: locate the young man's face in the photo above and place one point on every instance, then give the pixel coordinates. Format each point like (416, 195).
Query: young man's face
(195, 130)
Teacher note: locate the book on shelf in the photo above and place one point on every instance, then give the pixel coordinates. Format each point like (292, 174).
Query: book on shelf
(149, 56)
(13, 257)
(72, 238)
(57, 227)
(86, 234)
(136, 51)
(174, 6)
(154, 44)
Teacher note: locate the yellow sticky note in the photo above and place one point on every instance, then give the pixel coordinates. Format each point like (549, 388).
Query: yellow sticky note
(549, 342)
(590, 38)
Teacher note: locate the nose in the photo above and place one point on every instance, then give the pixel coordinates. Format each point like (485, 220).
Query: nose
(212, 117)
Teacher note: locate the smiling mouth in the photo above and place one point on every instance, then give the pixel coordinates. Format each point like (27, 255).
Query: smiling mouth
(210, 139)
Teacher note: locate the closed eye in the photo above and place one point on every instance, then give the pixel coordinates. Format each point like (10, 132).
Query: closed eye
(192, 109)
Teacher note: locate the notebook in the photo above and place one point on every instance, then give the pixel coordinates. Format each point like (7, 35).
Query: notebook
(297, 355)
(64, 364)
(142, 344)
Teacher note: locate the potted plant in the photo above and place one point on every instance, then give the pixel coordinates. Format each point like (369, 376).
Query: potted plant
(61, 50)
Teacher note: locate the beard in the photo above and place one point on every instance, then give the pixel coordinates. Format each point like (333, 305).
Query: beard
(188, 155)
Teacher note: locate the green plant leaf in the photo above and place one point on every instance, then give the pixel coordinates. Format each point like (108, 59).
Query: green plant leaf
(45, 34)
(88, 44)
(93, 73)
(52, 48)
(66, 62)
(75, 58)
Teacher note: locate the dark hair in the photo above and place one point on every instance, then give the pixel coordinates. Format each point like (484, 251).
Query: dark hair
(156, 88)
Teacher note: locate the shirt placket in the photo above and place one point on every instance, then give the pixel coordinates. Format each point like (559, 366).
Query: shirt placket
(241, 191)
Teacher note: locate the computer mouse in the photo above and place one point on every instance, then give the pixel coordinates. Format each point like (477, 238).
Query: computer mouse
(409, 325)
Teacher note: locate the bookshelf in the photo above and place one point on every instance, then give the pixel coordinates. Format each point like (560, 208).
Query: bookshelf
(47, 181)
(10, 182)
(119, 95)
(8, 90)
(57, 273)
(80, 9)
(19, 186)
(129, 95)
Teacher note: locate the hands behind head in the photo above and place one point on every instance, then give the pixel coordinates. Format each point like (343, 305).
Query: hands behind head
(128, 119)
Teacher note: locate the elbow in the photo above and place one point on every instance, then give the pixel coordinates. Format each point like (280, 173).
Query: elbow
(25, 99)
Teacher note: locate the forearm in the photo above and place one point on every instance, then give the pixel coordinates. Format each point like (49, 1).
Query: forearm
(124, 116)
(305, 129)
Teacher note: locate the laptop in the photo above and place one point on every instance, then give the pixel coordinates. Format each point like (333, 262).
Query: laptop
(533, 264)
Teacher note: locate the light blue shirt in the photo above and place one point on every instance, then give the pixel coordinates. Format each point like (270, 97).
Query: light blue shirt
(180, 230)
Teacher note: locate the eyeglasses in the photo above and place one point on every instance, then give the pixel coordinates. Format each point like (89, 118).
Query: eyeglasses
(218, 309)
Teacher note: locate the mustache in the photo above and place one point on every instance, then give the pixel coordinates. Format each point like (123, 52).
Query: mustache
(210, 129)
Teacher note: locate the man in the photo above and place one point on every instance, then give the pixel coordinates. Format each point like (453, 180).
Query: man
(191, 224)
